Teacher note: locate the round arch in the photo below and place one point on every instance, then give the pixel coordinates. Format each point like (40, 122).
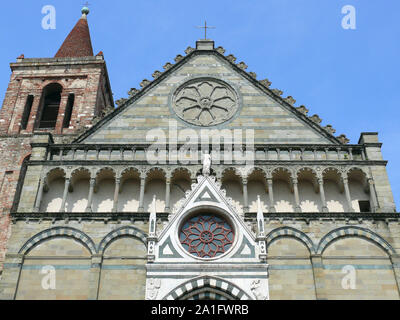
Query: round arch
(359, 232)
(127, 231)
(290, 232)
(199, 286)
(59, 232)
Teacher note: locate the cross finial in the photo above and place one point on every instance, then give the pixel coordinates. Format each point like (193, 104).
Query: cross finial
(85, 10)
(205, 29)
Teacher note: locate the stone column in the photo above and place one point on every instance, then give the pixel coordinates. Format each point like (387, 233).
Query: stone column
(116, 193)
(318, 274)
(271, 195)
(296, 195)
(90, 197)
(322, 193)
(395, 259)
(167, 194)
(40, 194)
(245, 197)
(94, 277)
(347, 192)
(65, 194)
(141, 198)
(372, 195)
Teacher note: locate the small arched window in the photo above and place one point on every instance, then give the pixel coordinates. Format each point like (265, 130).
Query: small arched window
(51, 99)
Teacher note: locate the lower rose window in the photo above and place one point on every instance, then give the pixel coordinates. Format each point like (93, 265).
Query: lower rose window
(206, 236)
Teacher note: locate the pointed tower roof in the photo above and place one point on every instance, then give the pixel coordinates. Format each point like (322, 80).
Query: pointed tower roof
(78, 42)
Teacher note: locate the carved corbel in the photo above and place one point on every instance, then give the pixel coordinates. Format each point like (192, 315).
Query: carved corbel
(120, 102)
(189, 50)
(167, 66)
(178, 58)
(266, 83)
(133, 92)
(343, 139)
(277, 92)
(316, 119)
(290, 100)
(220, 50)
(330, 129)
(231, 58)
(302, 109)
(253, 75)
(144, 83)
(156, 74)
(242, 65)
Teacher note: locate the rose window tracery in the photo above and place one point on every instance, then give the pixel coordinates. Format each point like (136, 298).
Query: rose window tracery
(206, 236)
(205, 102)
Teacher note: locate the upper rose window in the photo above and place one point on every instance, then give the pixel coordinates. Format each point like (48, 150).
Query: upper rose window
(205, 102)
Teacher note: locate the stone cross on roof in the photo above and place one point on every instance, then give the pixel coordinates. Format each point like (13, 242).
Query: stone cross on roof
(205, 29)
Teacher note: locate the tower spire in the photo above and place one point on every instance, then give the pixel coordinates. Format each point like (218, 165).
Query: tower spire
(78, 42)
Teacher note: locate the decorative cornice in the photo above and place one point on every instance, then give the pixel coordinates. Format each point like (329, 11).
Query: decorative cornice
(107, 217)
(388, 216)
(282, 163)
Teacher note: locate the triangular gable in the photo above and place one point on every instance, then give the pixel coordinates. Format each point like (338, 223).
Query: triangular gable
(273, 118)
(207, 192)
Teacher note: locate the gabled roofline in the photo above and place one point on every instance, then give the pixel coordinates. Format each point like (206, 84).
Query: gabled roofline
(182, 60)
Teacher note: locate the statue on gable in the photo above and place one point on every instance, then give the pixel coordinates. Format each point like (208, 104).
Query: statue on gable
(206, 164)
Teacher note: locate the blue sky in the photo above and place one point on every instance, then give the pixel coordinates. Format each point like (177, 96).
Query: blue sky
(349, 78)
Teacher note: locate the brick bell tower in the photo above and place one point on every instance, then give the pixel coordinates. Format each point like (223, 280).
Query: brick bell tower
(61, 96)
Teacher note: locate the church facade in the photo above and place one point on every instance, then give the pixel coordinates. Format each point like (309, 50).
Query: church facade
(204, 184)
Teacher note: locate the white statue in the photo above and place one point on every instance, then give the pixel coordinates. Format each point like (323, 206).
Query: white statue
(206, 164)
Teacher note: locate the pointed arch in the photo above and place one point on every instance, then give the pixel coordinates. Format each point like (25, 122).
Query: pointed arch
(201, 284)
